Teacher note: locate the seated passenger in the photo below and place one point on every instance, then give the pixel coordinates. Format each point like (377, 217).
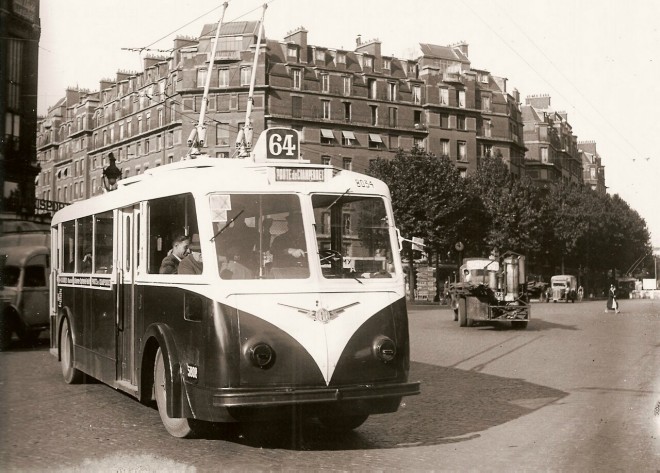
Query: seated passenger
(233, 268)
(290, 249)
(192, 264)
(170, 263)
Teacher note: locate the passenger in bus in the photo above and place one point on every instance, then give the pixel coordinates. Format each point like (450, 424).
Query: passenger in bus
(244, 240)
(289, 249)
(233, 268)
(170, 263)
(192, 263)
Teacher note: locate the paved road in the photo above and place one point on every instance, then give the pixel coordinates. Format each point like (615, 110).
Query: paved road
(579, 390)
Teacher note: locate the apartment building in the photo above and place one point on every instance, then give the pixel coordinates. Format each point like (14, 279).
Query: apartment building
(350, 106)
(19, 53)
(552, 148)
(593, 172)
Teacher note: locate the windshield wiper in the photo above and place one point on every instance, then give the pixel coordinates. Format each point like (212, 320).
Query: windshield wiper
(227, 225)
(335, 201)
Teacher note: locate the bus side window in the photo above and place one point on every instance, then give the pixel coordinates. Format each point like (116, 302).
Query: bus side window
(84, 245)
(103, 243)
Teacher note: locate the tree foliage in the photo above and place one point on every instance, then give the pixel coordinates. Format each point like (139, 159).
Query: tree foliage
(561, 226)
(430, 199)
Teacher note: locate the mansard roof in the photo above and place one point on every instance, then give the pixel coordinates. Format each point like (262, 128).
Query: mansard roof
(443, 52)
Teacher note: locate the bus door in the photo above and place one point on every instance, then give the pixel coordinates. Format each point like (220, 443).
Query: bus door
(128, 229)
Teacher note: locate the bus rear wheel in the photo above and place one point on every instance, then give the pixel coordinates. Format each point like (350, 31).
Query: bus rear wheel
(177, 427)
(343, 423)
(71, 375)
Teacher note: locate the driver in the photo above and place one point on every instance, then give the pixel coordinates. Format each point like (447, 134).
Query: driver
(289, 249)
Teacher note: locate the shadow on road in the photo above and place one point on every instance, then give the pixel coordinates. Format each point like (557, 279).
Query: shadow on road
(454, 406)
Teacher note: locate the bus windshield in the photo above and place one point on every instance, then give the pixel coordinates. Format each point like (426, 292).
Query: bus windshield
(259, 236)
(353, 236)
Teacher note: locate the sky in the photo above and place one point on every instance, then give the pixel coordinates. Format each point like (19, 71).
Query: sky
(599, 60)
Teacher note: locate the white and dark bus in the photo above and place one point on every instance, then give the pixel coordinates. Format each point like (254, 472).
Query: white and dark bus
(298, 301)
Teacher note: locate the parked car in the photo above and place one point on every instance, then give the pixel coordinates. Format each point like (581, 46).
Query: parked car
(24, 273)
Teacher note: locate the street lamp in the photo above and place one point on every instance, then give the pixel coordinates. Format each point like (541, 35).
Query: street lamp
(111, 174)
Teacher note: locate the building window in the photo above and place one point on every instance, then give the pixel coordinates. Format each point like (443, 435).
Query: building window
(347, 163)
(375, 141)
(347, 138)
(444, 148)
(488, 151)
(201, 77)
(326, 109)
(417, 94)
(418, 143)
(374, 114)
(460, 122)
(325, 83)
(347, 85)
(341, 58)
(296, 106)
(297, 79)
(246, 75)
(444, 120)
(544, 155)
(391, 91)
(326, 160)
(417, 118)
(347, 111)
(372, 85)
(461, 98)
(393, 142)
(387, 63)
(485, 103)
(320, 55)
(292, 52)
(223, 77)
(393, 117)
(444, 96)
(327, 137)
(487, 128)
(369, 62)
(462, 151)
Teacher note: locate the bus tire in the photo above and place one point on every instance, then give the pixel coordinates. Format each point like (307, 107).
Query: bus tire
(343, 423)
(6, 330)
(462, 312)
(177, 427)
(71, 375)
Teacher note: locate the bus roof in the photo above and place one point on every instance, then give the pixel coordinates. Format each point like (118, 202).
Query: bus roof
(205, 175)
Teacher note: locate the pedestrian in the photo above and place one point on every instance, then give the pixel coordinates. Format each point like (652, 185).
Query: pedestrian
(612, 303)
(580, 293)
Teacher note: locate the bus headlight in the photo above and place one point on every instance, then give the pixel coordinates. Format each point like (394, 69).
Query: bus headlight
(262, 355)
(384, 349)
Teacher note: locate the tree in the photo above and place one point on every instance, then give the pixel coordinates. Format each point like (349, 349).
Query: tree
(431, 200)
(513, 208)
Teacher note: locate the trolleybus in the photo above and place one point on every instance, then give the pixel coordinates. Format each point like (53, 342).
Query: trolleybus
(298, 303)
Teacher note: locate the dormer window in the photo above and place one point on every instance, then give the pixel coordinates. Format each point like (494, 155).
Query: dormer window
(320, 55)
(368, 62)
(387, 63)
(292, 52)
(297, 78)
(341, 58)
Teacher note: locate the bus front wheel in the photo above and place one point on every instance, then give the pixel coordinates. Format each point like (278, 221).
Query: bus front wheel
(177, 427)
(71, 375)
(343, 423)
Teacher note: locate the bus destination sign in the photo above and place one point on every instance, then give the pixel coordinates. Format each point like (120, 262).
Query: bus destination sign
(299, 174)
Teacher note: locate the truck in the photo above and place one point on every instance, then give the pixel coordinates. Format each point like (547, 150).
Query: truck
(491, 290)
(564, 288)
